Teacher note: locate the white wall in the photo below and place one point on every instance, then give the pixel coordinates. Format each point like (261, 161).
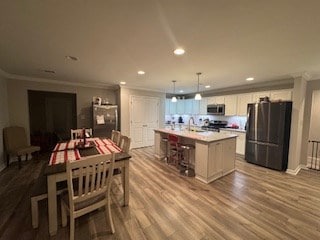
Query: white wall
(314, 132)
(125, 94)
(18, 100)
(4, 116)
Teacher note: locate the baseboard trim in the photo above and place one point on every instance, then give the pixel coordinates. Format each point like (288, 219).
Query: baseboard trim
(295, 171)
(2, 166)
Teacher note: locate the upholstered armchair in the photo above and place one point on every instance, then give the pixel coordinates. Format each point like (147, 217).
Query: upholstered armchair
(16, 143)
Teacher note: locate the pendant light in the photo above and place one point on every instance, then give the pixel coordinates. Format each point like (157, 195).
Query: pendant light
(174, 99)
(198, 95)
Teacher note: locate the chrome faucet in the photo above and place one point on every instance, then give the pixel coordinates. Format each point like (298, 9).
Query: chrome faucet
(191, 118)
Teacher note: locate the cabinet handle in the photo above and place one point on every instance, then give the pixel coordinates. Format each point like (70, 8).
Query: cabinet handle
(144, 125)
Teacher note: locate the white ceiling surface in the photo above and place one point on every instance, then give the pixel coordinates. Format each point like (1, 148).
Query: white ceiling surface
(226, 40)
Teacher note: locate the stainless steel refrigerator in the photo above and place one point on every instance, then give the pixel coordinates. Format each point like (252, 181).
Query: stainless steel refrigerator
(105, 119)
(268, 134)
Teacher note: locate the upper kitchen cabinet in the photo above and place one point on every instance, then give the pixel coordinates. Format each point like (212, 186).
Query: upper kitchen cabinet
(196, 106)
(188, 105)
(243, 100)
(230, 102)
(203, 106)
(167, 106)
(257, 95)
(180, 106)
(216, 100)
(173, 107)
(281, 95)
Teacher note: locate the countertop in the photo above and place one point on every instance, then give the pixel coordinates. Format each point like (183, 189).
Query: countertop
(233, 130)
(204, 136)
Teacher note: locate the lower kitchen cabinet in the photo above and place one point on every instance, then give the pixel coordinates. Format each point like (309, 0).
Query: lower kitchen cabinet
(214, 159)
(240, 142)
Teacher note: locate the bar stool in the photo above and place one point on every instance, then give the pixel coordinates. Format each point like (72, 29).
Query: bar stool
(185, 160)
(165, 141)
(175, 151)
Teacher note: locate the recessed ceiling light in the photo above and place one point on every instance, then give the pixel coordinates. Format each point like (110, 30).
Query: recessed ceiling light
(179, 51)
(250, 79)
(181, 91)
(123, 83)
(72, 58)
(141, 72)
(207, 86)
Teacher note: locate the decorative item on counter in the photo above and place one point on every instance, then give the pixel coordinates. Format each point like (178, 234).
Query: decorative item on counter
(97, 100)
(235, 126)
(105, 101)
(264, 99)
(180, 120)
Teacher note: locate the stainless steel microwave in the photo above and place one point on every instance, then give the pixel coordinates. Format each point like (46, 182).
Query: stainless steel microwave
(216, 109)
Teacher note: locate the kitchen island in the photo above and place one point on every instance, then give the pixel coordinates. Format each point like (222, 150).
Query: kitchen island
(214, 155)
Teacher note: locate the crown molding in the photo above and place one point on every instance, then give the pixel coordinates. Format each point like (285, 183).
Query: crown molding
(142, 89)
(3, 73)
(45, 80)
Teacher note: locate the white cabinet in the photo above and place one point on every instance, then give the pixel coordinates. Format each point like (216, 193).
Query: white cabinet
(228, 163)
(281, 95)
(144, 118)
(188, 106)
(167, 106)
(180, 106)
(173, 107)
(216, 100)
(215, 159)
(240, 142)
(257, 95)
(243, 100)
(195, 106)
(203, 106)
(230, 102)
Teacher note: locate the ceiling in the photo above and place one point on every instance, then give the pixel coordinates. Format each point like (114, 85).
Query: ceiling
(227, 41)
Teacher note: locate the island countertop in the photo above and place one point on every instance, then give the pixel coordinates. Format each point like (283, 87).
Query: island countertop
(206, 136)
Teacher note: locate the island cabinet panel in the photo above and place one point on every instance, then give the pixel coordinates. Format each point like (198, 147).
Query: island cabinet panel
(215, 159)
(215, 167)
(229, 148)
(214, 154)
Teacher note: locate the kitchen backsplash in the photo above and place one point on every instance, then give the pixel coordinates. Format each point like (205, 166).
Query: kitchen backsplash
(240, 121)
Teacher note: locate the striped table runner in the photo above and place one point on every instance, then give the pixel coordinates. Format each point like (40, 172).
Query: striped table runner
(64, 156)
(67, 151)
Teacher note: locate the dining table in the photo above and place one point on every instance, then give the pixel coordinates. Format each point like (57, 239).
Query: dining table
(75, 150)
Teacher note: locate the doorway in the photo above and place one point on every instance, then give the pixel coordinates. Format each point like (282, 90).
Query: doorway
(51, 115)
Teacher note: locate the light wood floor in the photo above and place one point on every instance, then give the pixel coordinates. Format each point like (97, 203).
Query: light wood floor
(251, 203)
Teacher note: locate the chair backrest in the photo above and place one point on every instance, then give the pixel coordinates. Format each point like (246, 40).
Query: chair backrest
(173, 140)
(77, 133)
(125, 143)
(115, 136)
(92, 176)
(14, 137)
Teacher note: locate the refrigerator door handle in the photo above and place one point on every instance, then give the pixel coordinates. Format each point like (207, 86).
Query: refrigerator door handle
(264, 143)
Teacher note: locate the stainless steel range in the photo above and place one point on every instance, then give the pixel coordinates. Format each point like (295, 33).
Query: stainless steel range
(215, 125)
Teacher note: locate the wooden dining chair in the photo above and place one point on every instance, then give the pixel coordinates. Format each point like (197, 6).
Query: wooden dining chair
(115, 137)
(16, 143)
(93, 191)
(124, 143)
(77, 133)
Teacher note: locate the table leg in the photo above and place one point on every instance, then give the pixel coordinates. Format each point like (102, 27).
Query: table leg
(125, 182)
(52, 205)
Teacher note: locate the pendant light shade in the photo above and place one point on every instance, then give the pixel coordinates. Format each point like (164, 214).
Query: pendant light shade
(198, 95)
(174, 99)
